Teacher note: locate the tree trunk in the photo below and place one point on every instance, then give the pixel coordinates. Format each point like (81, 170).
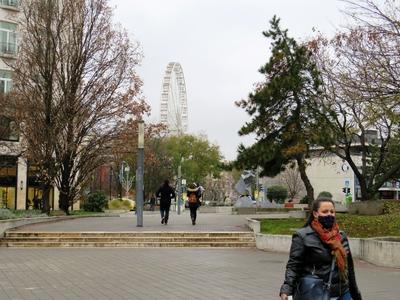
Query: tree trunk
(46, 198)
(64, 203)
(302, 169)
(365, 194)
(363, 188)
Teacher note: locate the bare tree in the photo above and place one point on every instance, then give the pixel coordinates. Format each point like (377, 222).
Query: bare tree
(291, 178)
(361, 93)
(75, 80)
(219, 189)
(158, 164)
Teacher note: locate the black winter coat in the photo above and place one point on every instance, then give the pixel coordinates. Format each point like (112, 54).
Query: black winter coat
(308, 254)
(165, 193)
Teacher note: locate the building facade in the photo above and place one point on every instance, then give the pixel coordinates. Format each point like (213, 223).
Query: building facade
(19, 184)
(328, 172)
(12, 167)
(331, 173)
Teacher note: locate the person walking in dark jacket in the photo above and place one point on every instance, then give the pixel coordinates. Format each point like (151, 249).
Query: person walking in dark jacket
(152, 202)
(311, 253)
(193, 193)
(165, 193)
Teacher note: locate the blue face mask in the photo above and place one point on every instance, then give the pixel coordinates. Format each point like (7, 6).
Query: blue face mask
(327, 221)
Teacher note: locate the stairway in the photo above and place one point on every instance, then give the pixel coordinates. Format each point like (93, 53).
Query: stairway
(140, 239)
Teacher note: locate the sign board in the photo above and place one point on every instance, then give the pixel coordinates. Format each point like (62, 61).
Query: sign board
(347, 182)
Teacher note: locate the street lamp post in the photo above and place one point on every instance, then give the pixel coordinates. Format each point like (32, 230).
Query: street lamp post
(139, 175)
(179, 189)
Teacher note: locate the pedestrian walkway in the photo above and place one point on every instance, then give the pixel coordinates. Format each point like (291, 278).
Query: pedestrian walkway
(154, 273)
(168, 274)
(151, 222)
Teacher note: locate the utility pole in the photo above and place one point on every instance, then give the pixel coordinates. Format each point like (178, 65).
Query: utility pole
(139, 175)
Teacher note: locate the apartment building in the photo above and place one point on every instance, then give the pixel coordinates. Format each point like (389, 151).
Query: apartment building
(19, 185)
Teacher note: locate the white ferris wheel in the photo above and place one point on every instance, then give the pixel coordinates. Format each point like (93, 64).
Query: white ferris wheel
(174, 100)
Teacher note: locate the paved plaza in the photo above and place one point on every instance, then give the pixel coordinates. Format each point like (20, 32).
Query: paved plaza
(151, 222)
(154, 273)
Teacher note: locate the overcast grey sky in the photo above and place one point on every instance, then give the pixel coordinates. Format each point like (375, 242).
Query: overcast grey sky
(220, 45)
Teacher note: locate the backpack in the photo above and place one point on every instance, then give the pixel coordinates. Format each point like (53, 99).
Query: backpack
(192, 198)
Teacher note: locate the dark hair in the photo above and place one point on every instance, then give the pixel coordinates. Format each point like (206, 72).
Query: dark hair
(166, 182)
(315, 206)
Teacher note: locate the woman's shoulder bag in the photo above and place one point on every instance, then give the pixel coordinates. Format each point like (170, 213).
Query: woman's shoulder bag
(311, 287)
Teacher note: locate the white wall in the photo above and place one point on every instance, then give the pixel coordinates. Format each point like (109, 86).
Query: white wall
(21, 183)
(329, 174)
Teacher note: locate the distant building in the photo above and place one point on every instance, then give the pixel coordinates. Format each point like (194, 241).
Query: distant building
(327, 172)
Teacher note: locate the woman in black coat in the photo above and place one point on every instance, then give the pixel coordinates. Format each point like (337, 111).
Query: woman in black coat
(312, 250)
(193, 193)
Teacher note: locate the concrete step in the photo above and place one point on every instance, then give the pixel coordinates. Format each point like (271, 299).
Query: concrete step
(129, 234)
(129, 245)
(128, 239)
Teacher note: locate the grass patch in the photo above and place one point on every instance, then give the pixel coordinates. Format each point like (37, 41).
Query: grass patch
(276, 209)
(356, 226)
(370, 226)
(6, 214)
(59, 213)
(85, 213)
(281, 226)
(19, 214)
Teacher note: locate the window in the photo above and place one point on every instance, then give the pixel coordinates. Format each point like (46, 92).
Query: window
(8, 38)
(13, 3)
(8, 181)
(8, 129)
(5, 81)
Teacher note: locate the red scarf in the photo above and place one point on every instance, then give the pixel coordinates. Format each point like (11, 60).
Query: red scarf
(333, 239)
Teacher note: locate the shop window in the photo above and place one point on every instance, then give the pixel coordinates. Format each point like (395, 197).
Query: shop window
(35, 191)
(8, 181)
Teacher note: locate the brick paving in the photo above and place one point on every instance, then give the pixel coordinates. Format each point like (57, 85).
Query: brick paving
(160, 274)
(59, 273)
